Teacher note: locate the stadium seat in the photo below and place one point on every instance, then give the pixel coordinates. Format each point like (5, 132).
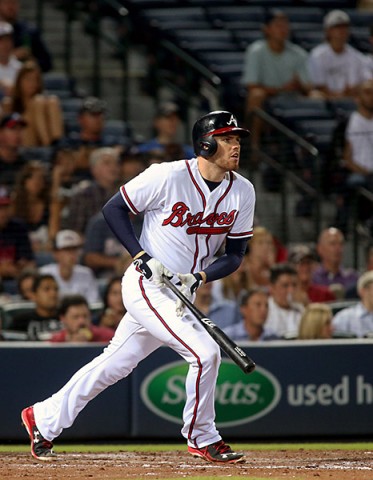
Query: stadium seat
(58, 83)
(304, 14)
(308, 39)
(246, 37)
(220, 15)
(176, 18)
(9, 311)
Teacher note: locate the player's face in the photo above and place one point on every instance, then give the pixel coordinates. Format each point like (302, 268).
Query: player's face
(227, 156)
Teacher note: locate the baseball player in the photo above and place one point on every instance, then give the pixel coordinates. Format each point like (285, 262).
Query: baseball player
(192, 208)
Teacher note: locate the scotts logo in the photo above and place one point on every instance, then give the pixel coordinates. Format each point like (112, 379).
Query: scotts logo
(239, 398)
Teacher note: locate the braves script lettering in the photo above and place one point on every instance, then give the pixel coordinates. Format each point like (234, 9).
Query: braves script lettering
(212, 224)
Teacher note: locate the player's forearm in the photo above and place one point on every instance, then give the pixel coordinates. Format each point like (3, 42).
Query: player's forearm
(222, 267)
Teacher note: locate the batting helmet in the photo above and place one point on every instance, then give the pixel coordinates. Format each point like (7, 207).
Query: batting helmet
(219, 122)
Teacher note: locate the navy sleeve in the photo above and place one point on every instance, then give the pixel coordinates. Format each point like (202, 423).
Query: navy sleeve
(228, 263)
(116, 213)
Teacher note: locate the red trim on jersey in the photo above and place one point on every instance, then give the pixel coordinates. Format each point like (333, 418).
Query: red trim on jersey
(243, 234)
(196, 185)
(128, 200)
(207, 230)
(162, 320)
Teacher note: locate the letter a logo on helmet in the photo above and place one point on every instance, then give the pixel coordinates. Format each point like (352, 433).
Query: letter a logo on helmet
(218, 122)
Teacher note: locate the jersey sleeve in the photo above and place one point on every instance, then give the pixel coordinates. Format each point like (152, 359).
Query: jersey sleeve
(243, 226)
(146, 191)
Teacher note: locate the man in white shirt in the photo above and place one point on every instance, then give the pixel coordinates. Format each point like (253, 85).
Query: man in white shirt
(283, 314)
(9, 65)
(70, 276)
(357, 320)
(336, 68)
(357, 155)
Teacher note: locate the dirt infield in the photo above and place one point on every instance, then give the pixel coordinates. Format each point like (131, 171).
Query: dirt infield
(298, 464)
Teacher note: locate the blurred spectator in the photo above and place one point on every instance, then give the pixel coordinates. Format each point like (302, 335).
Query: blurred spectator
(223, 313)
(26, 37)
(330, 272)
(15, 247)
(70, 276)
(254, 312)
(303, 258)
(88, 200)
(316, 322)
(132, 163)
(358, 157)
(284, 313)
(369, 56)
(42, 112)
(9, 65)
(114, 309)
(102, 252)
(260, 258)
(357, 320)
(90, 136)
(273, 66)
(76, 319)
(165, 144)
(32, 201)
(25, 284)
(336, 68)
(11, 158)
(42, 322)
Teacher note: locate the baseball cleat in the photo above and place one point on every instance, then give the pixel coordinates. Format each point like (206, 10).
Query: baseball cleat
(217, 452)
(41, 449)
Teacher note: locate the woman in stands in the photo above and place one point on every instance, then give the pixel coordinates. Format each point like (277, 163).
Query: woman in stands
(33, 201)
(113, 304)
(41, 111)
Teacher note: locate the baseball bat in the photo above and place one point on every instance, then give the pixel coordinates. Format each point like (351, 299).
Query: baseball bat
(225, 343)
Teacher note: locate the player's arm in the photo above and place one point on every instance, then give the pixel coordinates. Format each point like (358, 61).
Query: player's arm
(225, 265)
(116, 213)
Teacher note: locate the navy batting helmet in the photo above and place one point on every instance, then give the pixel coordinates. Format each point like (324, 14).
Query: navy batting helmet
(219, 122)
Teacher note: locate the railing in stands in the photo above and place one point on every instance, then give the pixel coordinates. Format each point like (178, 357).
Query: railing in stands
(366, 195)
(286, 175)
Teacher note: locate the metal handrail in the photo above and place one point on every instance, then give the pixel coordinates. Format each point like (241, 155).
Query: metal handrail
(360, 192)
(287, 174)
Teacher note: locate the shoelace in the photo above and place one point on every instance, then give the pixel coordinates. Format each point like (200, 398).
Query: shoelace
(222, 447)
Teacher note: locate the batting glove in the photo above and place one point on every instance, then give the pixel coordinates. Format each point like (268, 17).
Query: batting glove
(189, 284)
(152, 269)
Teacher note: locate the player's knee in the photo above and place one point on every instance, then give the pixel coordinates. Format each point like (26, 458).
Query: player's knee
(210, 357)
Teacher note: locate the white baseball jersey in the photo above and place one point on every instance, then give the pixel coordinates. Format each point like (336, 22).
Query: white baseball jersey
(184, 223)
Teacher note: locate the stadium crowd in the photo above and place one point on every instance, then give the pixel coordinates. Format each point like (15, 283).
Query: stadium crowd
(60, 264)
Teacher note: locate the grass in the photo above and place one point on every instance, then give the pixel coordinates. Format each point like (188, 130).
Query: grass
(97, 448)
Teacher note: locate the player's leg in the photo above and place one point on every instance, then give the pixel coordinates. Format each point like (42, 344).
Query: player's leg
(130, 344)
(154, 308)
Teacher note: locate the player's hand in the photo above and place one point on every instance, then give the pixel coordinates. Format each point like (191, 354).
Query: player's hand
(189, 284)
(152, 269)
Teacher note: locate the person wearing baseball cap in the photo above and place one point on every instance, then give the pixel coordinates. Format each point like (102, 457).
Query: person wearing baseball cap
(9, 64)
(69, 274)
(166, 144)
(336, 68)
(273, 66)
(11, 158)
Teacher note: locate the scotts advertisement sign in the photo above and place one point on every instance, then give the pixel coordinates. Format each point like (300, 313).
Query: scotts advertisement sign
(239, 398)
